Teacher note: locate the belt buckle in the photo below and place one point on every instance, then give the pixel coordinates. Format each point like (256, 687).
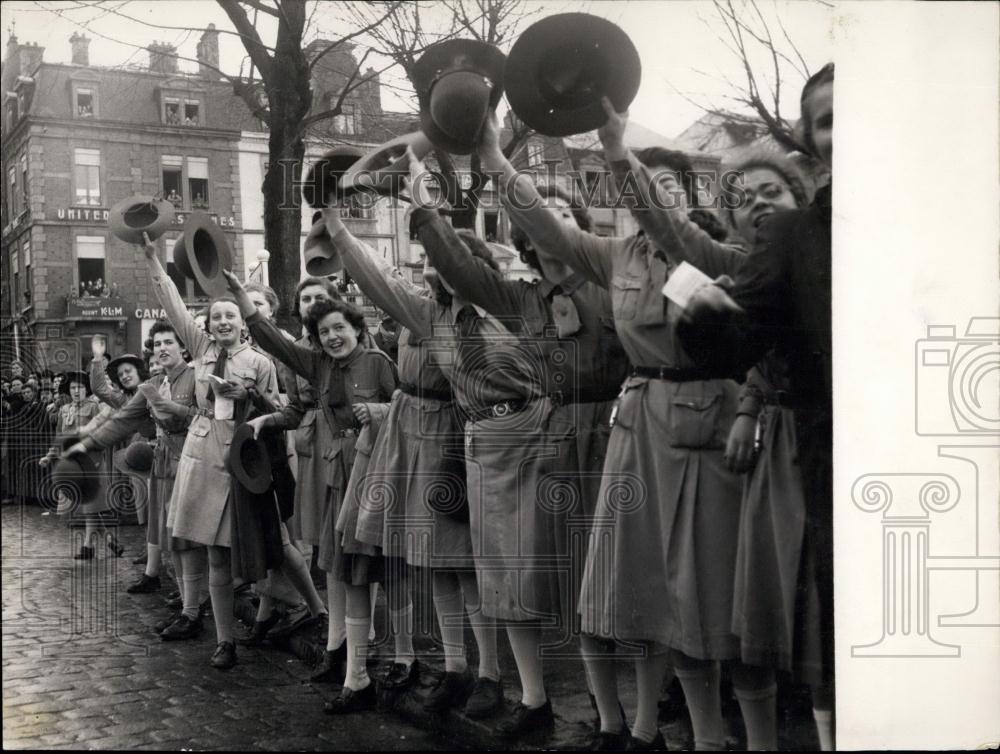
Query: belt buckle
(500, 410)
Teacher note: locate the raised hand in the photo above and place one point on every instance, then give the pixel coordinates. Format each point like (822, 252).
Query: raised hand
(419, 182)
(147, 246)
(98, 347)
(612, 133)
(239, 293)
(489, 144)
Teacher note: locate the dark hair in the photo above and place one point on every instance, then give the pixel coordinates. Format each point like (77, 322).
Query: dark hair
(328, 285)
(550, 191)
(659, 157)
(767, 160)
(140, 368)
(708, 222)
(323, 308)
(823, 76)
(269, 295)
(163, 325)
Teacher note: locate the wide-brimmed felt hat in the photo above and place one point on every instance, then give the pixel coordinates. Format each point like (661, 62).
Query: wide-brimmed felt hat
(320, 255)
(203, 252)
(560, 68)
(132, 217)
(125, 358)
(323, 179)
(381, 169)
(76, 376)
(249, 461)
(137, 458)
(458, 83)
(75, 477)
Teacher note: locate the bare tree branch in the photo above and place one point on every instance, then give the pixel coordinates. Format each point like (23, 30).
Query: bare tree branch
(353, 35)
(254, 46)
(258, 5)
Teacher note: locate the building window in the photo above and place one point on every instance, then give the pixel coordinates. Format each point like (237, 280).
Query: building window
(87, 175)
(15, 276)
(27, 274)
(90, 266)
(491, 224)
(347, 121)
(358, 207)
(12, 193)
(84, 103)
(171, 111)
(417, 275)
(24, 181)
(414, 233)
(171, 173)
(197, 168)
(12, 110)
(192, 112)
(536, 154)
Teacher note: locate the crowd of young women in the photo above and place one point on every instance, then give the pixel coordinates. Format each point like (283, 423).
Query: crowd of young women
(564, 454)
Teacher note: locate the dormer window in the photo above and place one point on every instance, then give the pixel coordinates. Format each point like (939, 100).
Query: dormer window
(172, 111)
(191, 112)
(84, 103)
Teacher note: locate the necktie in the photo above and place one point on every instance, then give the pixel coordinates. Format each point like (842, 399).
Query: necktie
(219, 370)
(338, 400)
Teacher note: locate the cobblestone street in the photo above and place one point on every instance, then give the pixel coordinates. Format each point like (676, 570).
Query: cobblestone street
(82, 667)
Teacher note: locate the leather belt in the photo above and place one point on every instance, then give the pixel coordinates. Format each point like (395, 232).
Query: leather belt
(560, 398)
(346, 433)
(674, 374)
(496, 411)
(416, 391)
(207, 412)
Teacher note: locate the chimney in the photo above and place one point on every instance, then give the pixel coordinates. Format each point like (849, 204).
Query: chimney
(79, 45)
(31, 57)
(162, 58)
(208, 53)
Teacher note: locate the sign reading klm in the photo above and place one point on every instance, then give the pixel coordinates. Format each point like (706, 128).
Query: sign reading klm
(100, 215)
(104, 308)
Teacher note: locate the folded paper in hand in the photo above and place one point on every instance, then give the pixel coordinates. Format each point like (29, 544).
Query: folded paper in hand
(683, 282)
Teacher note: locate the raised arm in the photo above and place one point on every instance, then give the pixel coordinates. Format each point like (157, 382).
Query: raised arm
(657, 211)
(100, 385)
(301, 359)
(381, 282)
(194, 338)
(588, 254)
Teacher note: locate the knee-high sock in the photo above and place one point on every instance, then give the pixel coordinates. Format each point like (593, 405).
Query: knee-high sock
(451, 619)
(220, 586)
(373, 595)
(152, 560)
(397, 594)
(756, 691)
(190, 565)
(648, 681)
(525, 641)
(336, 601)
(264, 608)
(599, 660)
(484, 628)
(824, 728)
(402, 633)
(295, 570)
(700, 681)
(357, 623)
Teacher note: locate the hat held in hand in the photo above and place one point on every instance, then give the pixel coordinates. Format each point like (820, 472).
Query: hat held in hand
(459, 82)
(203, 252)
(76, 477)
(383, 169)
(322, 182)
(249, 460)
(132, 217)
(560, 68)
(321, 257)
(137, 458)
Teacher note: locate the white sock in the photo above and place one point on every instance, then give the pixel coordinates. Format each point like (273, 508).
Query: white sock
(701, 690)
(824, 727)
(264, 608)
(374, 598)
(222, 608)
(525, 641)
(484, 628)
(402, 633)
(759, 717)
(451, 614)
(336, 601)
(152, 560)
(356, 677)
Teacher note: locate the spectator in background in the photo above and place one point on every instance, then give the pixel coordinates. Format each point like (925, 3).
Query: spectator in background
(387, 338)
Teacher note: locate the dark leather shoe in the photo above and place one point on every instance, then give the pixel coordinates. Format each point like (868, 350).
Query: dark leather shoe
(350, 701)
(224, 656)
(259, 631)
(185, 628)
(113, 545)
(486, 699)
(290, 622)
(141, 560)
(400, 675)
(604, 741)
(637, 744)
(524, 720)
(174, 601)
(331, 667)
(450, 691)
(161, 626)
(145, 585)
(86, 553)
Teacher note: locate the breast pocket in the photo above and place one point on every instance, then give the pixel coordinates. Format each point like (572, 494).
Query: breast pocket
(694, 420)
(245, 375)
(625, 296)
